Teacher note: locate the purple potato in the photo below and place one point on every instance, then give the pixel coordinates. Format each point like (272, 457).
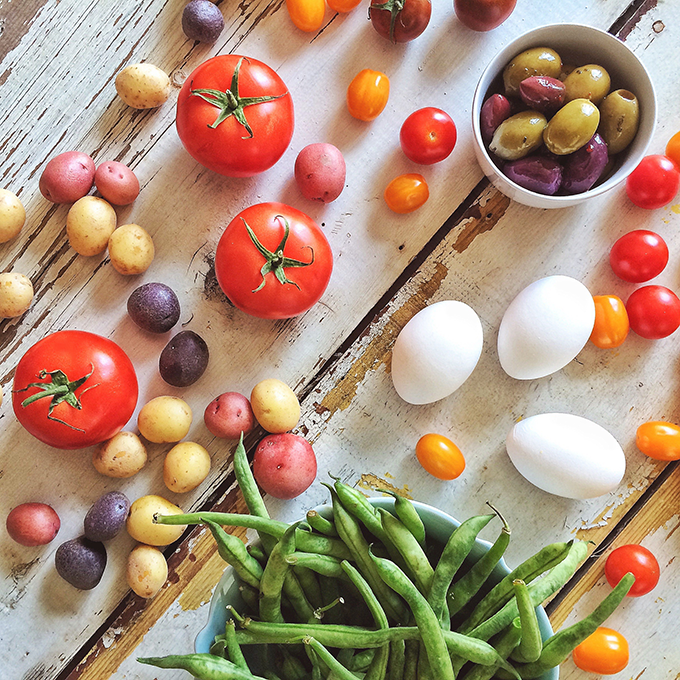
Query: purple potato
(202, 21)
(541, 174)
(81, 562)
(107, 516)
(184, 359)
(584, 167)
(542, 93)
(154, 307)
(494, 111)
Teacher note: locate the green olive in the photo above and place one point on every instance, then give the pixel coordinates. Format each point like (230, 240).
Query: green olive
(518, 135)
(587, 82)
(538, 61)
(571, 127)
(620, 116)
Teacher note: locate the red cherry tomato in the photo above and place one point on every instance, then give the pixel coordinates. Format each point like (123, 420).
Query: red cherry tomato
(400, 21)
(428, 136)
(638, 256)
(406, 193)
(653, 312)
(367, 94)
(611, 322)
(654, 182)
(673, 148)
(483, 15)
(440, 456)
(604, 652)
(638, 561)
(659, 440)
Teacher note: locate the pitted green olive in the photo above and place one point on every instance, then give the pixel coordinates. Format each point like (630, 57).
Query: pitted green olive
(518, 135)
(571, 127)
(619, 119)
(537, 61)
(587, 82)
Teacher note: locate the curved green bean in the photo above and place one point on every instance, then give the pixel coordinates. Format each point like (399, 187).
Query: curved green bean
(531, 643)
(333, 664)
(321, 564)
(504, 645)
(233, 551)
(408, 515)
(273, 577)
(321, 524)
(202, 666)
(232, 646)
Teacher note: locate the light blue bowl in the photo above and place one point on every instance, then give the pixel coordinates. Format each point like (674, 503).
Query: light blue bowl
(439, 526)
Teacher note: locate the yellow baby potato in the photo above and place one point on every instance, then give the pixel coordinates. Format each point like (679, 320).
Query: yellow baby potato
(164, 419)
(275, 406)
(16, 294)
(121, 456)
(186, 465)
(131, 249)
(147, 570)
(143, 86)
(140, 524)
(89, 225)
(12, 215)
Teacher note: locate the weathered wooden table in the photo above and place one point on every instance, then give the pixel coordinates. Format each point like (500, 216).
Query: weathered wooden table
(59, 59)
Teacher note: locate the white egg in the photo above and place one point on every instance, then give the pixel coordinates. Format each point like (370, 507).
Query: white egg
(436, 352)
(545, 327)
(566, 455)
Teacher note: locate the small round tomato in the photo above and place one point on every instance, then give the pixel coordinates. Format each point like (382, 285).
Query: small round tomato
(639, 256)
(400, 21)
(367, 94)
(483, 15)
(440, 456)
(307, 15)
(659, 440)
(673, 148)
(637, 560)
(611, 322)
(653, 312)
(604, 652)
(406, 193)
(428, 136)
(654, 182)
(273, 261)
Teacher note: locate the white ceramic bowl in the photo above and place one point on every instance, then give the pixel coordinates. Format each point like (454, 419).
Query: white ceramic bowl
(576, 44)
(439, 526)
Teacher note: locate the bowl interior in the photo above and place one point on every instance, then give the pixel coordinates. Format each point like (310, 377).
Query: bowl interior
(439, 527)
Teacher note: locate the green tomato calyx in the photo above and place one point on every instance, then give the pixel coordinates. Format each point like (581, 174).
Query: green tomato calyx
(393, 7)
(230, 102)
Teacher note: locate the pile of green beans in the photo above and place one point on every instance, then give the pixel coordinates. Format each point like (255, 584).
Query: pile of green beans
(362, 593)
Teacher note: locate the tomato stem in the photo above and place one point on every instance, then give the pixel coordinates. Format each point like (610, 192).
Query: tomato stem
(393, 7)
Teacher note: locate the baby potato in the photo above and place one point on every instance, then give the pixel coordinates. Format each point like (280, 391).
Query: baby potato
(143, 86)
(140, 524)
(147, 570)
(12, 215)
(164, 420)
(131, 249)
(16, 294)
(116, 183)
(67, 177)
(320, 172)
(186, 465)
(275, 406)
(89, 225)
(121, 456)
(228, 415)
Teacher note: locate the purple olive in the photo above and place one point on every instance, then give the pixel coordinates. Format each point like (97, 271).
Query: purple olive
(494, 111)
(542, 93)
(584, 167)
(541, 174)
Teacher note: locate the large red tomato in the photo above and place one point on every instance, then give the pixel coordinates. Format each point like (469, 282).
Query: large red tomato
(273, 261)
(73, 389)
(483, 15)
(235, 115)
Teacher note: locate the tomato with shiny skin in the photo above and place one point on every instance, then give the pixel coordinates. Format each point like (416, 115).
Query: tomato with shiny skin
(367, 94)
(440, 456)
(483, 15)
(654, 182)
(605, 652)
(611, 322)
(273, 261)
(428, 136)
(307, 15)
(659, 440)
(638, 256)
(342, 6)
(406, 193)
(673, 148)
(400, 21)
(235, 115)
(637, 560)
(73, 389)
(653, 312)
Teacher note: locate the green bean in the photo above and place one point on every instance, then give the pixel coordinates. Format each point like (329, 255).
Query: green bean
(321, 524)
(255, 549)
(218, 648)
(331, 590)
(291, 667)
(270, 675)
(232, 646)
(397, 660)
(234, 552)
(321, 564)
(250, 597)
(506, 643)
(408, 515)
(273, 577)
(361, 660)
(202, 666)
(531, 644)
(310, 585)
(411, 659)
(335, 666)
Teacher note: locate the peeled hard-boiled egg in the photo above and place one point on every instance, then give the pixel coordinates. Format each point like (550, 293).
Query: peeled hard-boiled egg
(566, 455)
(545, 327)
(436, 352)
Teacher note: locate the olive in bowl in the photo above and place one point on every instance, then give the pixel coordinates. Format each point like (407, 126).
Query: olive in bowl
(548, 175)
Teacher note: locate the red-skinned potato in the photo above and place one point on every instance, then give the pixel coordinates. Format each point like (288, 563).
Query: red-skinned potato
(483, 15)
(116, 183)
(284, 465)
(33, 524)
(320, 172)
(67, 177)
(228, 415)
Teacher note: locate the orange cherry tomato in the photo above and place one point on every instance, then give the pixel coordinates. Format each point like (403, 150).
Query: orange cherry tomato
(673, 148)
(611, 322)
(440, 456)
(367, 94)
(342, 5)
(659, 440)
(604, 652)
(406, 193)
(307, 15)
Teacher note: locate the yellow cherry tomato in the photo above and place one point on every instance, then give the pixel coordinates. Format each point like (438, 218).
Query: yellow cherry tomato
(406, 193)
(673, 148)
(611, 322)
(367, 94)
(342, 5)
(659, 440)
(307, 15)
(440, 456)
(604, 652)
